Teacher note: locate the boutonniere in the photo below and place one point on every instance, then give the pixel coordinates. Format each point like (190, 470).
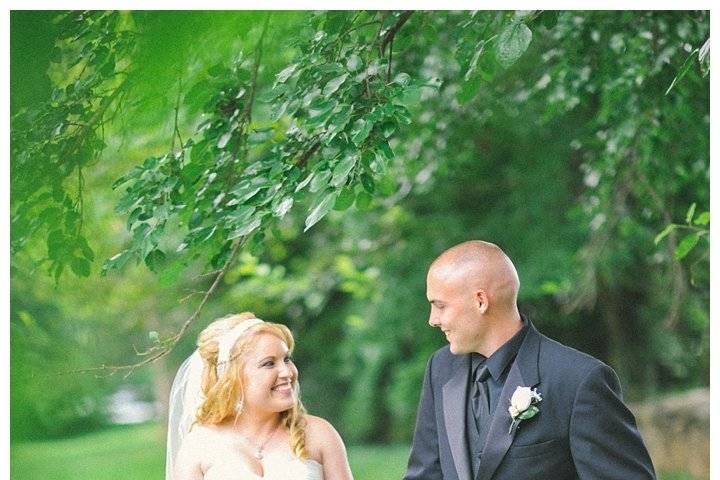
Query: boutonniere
(522, 405)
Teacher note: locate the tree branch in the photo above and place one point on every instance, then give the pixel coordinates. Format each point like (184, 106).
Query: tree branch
(176, 129)
(168, 345)
(390, 34)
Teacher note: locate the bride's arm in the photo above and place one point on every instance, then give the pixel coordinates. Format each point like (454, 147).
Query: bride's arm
(324, 439)
(187, 463)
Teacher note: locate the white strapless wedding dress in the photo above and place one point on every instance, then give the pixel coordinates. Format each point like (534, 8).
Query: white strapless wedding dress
(276, 465)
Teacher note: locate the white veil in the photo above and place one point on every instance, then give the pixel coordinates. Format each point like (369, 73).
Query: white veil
(186, 393)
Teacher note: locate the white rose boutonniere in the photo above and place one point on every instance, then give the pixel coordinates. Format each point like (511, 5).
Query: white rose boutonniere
(522, 405)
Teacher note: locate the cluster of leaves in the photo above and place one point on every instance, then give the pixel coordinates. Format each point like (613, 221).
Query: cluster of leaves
(488, 42)
(51, 146)
(629, 190)
(698, 226)
(333, 111)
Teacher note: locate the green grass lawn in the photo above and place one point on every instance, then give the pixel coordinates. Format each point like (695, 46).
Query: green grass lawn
(138, 452)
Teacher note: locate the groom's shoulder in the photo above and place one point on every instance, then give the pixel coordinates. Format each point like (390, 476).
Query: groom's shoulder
(564, 359)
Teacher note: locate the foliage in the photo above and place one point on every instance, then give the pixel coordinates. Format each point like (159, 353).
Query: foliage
(340, 152)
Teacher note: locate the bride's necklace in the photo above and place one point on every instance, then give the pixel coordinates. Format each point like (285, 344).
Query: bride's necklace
(259, 448)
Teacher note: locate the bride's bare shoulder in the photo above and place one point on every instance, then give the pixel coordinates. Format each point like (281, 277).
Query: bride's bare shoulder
(321, 436)
(202, 433)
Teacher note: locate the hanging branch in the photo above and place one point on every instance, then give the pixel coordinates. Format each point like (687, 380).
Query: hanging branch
(176, 129)
(167, 345)
(389, 69)
(392, 31)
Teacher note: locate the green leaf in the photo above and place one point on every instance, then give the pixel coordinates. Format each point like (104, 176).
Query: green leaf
(242, 214)
(666, 231)
(703, 219)
(529, 413)
(512, 43)
(203, 234)
(80, 266)
(153, 336)
(402, 79)
(690, 213)
(360, 131)
(321, 209)
(386, 185)
(342, 170)
(283, 207)
(411, 96)
(363, 201)
(338, 123)
(305, 181)
(273, 93)
(155, 259)
(332, 86)
(473, 63)
(368, 183)
(686, 246)
(548, 18)
(468, 90)
(319, 112)
(388, 128)
(354, 62)
(85, 249)
(246, 229)
(117, 261)
(386, 151)
(320, 180)
(689, 61)
(345, 199)
(171, 273)
(402, 114)
(285, 74)
(56, 244)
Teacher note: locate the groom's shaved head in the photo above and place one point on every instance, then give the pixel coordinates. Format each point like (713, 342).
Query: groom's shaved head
(479, 265)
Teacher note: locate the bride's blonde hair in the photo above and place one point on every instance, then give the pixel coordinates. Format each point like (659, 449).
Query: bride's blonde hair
(222, 394)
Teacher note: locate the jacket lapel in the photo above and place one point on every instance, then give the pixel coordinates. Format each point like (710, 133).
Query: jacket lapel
(523, 373)
(454, 407)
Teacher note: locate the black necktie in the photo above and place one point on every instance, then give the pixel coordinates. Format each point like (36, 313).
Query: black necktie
(481, 397)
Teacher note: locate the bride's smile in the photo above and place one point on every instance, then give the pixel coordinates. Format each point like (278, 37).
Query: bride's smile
(270, 376)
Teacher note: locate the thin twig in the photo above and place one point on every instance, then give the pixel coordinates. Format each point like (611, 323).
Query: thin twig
(308, 154)
(246, 117)
(176, 129)
(191, 294)
(676, 270)
(168, 345)
(389, 69)
(369, 52)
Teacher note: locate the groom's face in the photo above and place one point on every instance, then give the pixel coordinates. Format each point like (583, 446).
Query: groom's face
(454, 309)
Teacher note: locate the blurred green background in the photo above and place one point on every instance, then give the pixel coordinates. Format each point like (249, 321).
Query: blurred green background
(573, 159)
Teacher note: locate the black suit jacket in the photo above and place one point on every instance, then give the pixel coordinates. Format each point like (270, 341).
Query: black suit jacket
(583, 430)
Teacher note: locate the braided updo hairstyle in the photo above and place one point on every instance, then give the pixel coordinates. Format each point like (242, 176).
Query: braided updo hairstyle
(221, 394)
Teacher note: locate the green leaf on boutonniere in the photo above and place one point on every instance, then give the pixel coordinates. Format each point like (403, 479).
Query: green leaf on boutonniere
(529, 413)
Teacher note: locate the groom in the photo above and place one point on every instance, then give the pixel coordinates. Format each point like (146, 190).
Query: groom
(569, 423)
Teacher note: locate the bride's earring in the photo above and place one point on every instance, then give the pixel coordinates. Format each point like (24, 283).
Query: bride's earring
(238, 406)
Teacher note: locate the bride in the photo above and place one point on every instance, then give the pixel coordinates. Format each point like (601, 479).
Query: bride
(235, 413)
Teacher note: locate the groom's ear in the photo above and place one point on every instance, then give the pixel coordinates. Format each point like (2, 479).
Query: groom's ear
(482, 299)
